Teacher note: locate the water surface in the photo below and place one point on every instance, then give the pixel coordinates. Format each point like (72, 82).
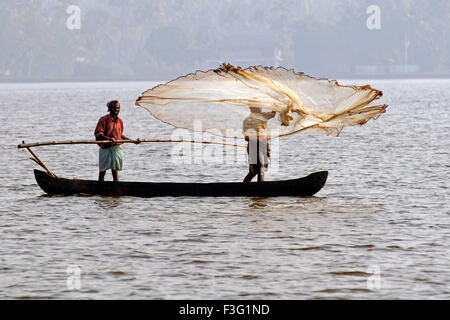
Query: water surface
(379, 229)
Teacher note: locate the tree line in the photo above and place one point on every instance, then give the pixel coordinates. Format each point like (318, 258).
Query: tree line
(160, 39)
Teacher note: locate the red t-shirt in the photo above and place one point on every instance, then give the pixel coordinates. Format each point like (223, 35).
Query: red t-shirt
(109, 127)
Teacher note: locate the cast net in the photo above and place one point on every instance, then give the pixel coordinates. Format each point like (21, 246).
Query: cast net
(229, 101)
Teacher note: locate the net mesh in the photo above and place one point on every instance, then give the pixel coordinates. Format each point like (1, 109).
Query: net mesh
(229, 101)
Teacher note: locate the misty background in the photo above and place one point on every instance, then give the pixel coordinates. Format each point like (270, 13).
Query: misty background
(42, 40)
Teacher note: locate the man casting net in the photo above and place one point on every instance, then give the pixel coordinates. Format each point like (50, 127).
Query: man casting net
(221, 100)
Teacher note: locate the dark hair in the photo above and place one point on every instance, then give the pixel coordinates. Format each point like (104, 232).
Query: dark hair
(111, 103)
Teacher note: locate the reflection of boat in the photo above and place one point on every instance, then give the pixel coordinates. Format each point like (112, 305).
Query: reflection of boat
(306, 186)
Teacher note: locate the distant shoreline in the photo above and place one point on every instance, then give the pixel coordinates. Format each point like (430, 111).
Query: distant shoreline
(415, 76)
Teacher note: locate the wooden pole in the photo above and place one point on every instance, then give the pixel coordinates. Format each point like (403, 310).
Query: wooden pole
(51, 143)
(39, 162)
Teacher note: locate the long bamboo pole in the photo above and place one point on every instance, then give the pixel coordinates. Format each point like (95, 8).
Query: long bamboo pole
(51, 143)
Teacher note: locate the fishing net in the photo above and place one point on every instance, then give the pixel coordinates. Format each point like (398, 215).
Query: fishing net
(231, 102)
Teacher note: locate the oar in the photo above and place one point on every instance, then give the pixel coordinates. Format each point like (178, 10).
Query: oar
(39, 162)
(52, 143)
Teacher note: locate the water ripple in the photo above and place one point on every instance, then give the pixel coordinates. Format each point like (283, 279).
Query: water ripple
(383, 212)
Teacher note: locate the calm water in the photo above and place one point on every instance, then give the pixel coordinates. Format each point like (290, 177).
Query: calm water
(379, 229)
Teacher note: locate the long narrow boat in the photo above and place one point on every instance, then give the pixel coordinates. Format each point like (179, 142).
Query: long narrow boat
(306, 186)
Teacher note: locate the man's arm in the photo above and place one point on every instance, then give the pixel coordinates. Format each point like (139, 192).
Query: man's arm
(101, 137)
(100, 133)
(126, 138)
(269, 115)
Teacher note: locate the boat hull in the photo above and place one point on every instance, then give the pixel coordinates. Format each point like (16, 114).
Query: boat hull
(306, 186)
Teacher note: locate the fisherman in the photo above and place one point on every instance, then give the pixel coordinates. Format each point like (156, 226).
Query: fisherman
(110, 127)
(257, 135)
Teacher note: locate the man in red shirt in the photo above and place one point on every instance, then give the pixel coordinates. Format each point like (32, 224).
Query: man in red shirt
(110, 127)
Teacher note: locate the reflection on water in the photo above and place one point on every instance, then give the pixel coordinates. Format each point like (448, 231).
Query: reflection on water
(258, 203)
(108, 203)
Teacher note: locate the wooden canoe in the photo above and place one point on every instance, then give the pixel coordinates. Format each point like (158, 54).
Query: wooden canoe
(306, 186)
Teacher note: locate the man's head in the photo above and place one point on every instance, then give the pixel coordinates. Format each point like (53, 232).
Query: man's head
(255, 110)
(113, 108)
